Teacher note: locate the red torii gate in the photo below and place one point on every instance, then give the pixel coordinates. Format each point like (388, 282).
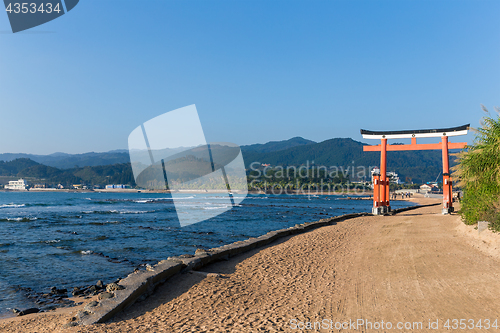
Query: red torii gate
(381, 204)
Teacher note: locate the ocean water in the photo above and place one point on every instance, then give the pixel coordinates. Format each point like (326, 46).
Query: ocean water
(74, 239)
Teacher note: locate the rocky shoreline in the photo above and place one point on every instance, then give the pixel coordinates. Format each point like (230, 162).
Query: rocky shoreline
(64, 298)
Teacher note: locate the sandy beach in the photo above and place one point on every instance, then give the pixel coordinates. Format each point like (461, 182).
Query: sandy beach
(415, 267)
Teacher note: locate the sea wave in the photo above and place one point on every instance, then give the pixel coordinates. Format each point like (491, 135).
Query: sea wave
(114, 211)
(156, 200)
(217, 198)
(218, 207)
(19, 219)
(136, 211)
(104, 223)
(11, 205)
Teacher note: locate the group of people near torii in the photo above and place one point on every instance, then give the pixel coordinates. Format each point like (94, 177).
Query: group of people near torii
(403, 195)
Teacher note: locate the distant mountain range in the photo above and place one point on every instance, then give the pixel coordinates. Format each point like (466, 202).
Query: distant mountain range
(273, 146)
(92, 175)
(68, 161)
(420, 166)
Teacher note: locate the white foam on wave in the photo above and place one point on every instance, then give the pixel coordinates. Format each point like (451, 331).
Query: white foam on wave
(12, 205)
(149, 200)
(18, 219)
(136, 211)
(114, 211)
(182, 198)
(86, 252)
(219, 207)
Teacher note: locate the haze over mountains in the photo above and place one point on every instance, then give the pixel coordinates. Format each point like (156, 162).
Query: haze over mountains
(420, 166)
(68, 161)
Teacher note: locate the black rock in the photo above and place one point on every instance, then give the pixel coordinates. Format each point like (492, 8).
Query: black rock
(28, 311)
(77, 291)
(56, 291)
(99, 284)
(49, 308)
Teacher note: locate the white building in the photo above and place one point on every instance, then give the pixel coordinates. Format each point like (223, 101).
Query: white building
(19, 185)
(393, 176)
(426, 188)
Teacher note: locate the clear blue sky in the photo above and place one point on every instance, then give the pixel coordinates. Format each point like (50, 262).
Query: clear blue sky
(256, 70)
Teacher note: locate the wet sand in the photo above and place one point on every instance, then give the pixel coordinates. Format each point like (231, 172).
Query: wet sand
(412, 267)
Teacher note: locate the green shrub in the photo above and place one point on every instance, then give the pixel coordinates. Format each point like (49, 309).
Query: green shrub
(478, 172)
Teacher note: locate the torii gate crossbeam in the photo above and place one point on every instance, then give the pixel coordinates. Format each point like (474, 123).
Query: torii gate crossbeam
(381, 204)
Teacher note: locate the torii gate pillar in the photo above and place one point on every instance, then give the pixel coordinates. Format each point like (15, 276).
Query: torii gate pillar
(447, 183)
(381, 204)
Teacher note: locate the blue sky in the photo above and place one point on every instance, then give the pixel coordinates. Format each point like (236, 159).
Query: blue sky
(256, 70)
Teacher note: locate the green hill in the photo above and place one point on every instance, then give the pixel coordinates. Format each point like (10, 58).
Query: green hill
(276, 145)
(39, 173)
(67, 161)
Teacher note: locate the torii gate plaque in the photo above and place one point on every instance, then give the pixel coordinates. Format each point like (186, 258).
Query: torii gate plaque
(381, 204)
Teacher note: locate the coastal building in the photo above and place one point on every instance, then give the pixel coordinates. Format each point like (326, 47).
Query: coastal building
(113, 186)
(17, 185)
(391, 175)
(426, 188)
(394, 177)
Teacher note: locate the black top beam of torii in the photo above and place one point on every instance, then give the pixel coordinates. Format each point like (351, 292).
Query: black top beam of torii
(421, 133)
